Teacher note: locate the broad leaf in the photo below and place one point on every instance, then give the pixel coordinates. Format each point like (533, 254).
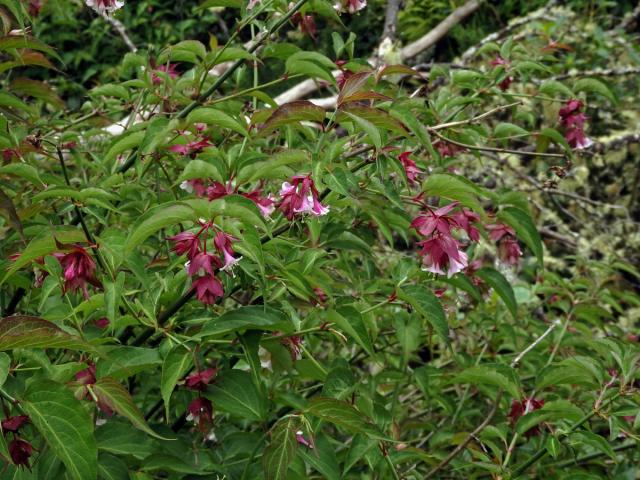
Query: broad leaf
(525, 229)
(65, 425)
(115, 396)
(22, 331)
(236, 394)
(246, 318)
(501, 285)
(349, 320)
(175, 365)
(281, 449)
(343, 415)
(427, 305)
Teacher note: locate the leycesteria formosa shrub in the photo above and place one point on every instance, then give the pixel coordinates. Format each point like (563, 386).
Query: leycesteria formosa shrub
(199, 282)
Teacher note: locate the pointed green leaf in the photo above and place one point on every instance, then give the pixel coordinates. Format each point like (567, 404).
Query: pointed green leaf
(427, 305)
(281, 449)
(499, 283)
(113, 394)
(65, 425)
(175, 365)
(236, 394)
(525, 229)
(23, 331)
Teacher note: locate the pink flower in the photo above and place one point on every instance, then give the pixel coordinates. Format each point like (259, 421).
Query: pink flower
(351, 6)
(301, 196)
(509, 250)
(442, 252)
(447, 149)
(208, 289)
(499, 230)
(218, 190)
(293, 345)
(518, 409)
(169, 70)
(13, 424)
(465, 218)
(410, 168)
(191, 148)
(200, 380)
(303, 441)
(200, 411)
(498, 61)
(185, 242)
(195, 185)
(105, 6)
(20, 451)
(223, 243)
(87, 376)
(435, 221)
(573, 122)
(102, 323)
(266, 205)
(78, 268)
(203, 263)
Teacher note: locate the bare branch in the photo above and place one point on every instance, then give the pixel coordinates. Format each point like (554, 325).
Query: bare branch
(119, 27)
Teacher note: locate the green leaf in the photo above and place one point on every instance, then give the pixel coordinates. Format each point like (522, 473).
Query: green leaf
(367, 127)
(5, 363)
(65, 425)
(23, 170)
(111, 467)
(113, 394)
(23, 41)
(200, 169)
(4, 451)
(556, 137)
(234, 206)
(293, 112)
(525, 229)
(236, 394)
(566, 374)
(427, 305)
(594, 441)
(500, 284)
(281, 449)
(554, 411)
(23, 331)
(158, 217)
(591, 85)
(245, 318)
(122, 362)
(349, 320)
(123, 143)
(554, 87)
(212, 116)
(343, 415)
(119, 438)
(505, 130)
(175, 365)
(453, 187)
(494, 374)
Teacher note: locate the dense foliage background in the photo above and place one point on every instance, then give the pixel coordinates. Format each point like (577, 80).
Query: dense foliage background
(430, 270)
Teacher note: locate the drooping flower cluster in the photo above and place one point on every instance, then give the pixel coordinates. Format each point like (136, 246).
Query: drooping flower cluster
(508, 248)
(202, 265)
(441, 252)
(19, 449)
(409, 166)
(306, 23)
(300, 197)
(105, 6)
(518, 409)
(573, 122)
(215, 190)
(78, 269)
(200, 410)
